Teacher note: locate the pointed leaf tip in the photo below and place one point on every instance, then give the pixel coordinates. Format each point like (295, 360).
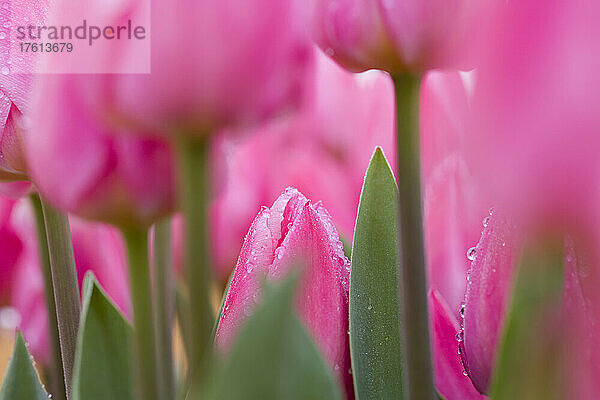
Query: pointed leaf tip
(21, 381)
(375, 341)
(102, 364)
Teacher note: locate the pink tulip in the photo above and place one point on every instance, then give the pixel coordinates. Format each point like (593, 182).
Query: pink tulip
(212, 63)
(80, 166)
(395, 35)
(293, 231)
(535, 140)
(97, 247)
(323, 150)
(490, 282)
(15, 86)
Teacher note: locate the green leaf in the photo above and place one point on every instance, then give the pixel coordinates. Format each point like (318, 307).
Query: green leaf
(375, 341)
(529, 361)
(21, 381)
(274, 357)
(102, 364)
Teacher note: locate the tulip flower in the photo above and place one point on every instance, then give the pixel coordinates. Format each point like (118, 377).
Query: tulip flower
(15, 86)
(229, 63)
(395, 35)
(295, 232)
(81, 167)
(97, 247)
(321, 150)
(535, 139)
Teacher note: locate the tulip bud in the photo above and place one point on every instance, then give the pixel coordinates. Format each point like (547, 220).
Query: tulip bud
(15, 84)
(82, 167)
(395, 35)
(211, 63)
(295, 232)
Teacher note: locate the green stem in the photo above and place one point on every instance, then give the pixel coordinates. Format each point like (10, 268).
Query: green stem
(194, 194)
(65, 285)
(164, 307)
(141, 298)
(418, 369)
(56, 374)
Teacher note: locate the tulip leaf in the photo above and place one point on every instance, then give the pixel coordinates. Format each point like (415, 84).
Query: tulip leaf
(21, 381)
(529, 363)
(274, 356)
(102, 363)
(375, 341)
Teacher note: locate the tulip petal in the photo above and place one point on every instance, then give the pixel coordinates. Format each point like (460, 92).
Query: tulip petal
(488, 286)
(450, 380)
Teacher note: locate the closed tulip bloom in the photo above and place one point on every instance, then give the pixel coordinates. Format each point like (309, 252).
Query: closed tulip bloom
(97, 248)
(295, 232)
(322, 150)
(395, 35)
(15, 85)
(82, 167)
(212, 63)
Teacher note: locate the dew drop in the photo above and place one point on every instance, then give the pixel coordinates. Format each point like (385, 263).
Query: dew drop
(464, 372)
(486, 221)
(462, 310)
(471, 253)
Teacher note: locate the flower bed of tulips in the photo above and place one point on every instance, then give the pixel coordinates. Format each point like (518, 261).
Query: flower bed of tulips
(326, 199)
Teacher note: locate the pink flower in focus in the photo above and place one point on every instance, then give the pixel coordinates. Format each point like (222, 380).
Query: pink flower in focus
(295, 231)
(395, 35)
(97, 247)
(323, 150)
(80, 166)
(15, 88)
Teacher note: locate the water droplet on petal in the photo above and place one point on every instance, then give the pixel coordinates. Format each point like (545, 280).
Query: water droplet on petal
(471, 253)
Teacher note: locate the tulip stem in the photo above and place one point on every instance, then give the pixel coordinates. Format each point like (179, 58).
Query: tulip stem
(164, 307)
(418, 375)
(65, 286)
(194, 194)
(143, 326)
(56, 375)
